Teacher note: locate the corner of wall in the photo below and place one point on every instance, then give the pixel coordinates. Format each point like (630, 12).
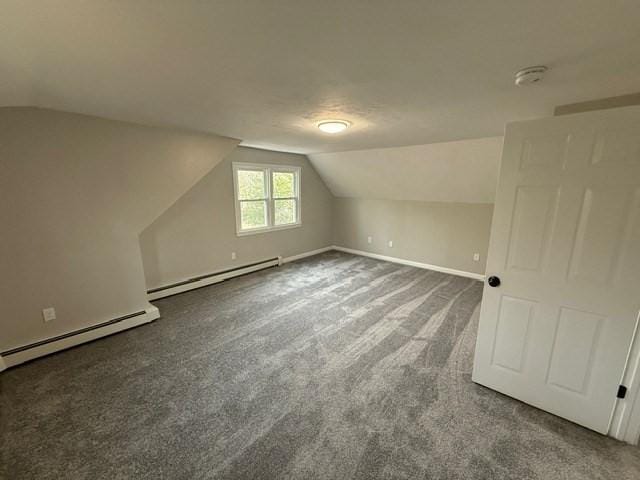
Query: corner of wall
(196, 235)
(76, 162)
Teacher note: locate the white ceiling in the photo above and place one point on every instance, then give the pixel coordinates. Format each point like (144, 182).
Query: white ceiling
(461, 171)
(404, 72)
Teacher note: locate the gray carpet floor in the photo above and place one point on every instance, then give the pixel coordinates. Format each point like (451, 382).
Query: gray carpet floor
(333, 367)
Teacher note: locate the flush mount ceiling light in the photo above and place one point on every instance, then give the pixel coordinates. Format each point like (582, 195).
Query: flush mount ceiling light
(333, 126)
(530, 75)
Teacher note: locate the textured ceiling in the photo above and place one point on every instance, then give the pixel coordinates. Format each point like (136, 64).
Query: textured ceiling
(404, 72)
(461, 171)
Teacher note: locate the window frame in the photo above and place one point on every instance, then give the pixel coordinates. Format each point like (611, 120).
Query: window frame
(268, 170)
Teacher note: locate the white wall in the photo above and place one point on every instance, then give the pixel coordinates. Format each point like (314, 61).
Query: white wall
(76, 192)
(442, 234)
(83, 197)
(435, 202)
(198, 233)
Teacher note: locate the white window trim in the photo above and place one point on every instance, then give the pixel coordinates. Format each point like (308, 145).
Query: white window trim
(268, 169)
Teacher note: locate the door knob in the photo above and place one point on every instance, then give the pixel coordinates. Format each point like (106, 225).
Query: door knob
(493, 281)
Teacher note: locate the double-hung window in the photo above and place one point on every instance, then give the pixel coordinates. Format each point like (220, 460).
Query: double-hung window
(267, 197)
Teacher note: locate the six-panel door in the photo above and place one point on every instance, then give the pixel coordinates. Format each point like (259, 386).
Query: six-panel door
(565, 242)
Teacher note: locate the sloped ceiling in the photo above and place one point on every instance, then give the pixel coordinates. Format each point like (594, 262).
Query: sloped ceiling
(76, 192)
(463, 171)
(405, 72)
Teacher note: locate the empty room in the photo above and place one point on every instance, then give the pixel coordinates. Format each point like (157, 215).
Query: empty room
(295, 239)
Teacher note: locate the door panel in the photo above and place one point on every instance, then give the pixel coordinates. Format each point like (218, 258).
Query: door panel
(564, 241)
(599, 236)
(534, 210)
(617, 146)
(544, 150)
(512, 333)
(574, 347)
(628, 268)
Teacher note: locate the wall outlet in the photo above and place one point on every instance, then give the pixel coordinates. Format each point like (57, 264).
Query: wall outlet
(369, 239)
(233, 255)
(49, 314)
(390, 243)
(476, 257)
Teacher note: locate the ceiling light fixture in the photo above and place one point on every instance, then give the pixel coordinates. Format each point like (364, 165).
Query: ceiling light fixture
(333, 126)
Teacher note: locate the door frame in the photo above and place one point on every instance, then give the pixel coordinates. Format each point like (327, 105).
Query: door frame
(625, 418)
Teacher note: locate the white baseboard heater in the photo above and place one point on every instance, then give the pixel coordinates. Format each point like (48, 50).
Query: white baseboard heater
(211, 278)
(18, 355)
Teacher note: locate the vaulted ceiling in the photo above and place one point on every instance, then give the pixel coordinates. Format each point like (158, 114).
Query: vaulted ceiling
(463, 171)
(404, 72)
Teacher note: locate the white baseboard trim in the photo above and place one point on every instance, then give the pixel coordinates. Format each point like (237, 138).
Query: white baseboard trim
(437, 268)
(187, 285)
(40, 349)
(293, 258)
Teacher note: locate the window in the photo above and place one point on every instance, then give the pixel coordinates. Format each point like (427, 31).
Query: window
(267, 197)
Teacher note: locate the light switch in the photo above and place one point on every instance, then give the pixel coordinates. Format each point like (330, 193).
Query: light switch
(476, 257)
(49, 314)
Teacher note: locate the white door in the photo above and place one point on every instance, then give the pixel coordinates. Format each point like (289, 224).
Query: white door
(565, 243)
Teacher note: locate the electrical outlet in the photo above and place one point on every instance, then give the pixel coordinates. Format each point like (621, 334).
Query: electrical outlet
(233, 255)
(369, 239)
(390, 243)
(476, 257)
(48, 314)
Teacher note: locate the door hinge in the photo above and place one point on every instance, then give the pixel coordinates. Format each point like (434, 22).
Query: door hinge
(622, 391)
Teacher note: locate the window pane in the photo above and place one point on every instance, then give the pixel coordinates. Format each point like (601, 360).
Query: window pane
(251, 185)
(283, 185)
(253, 214)
(285, 212)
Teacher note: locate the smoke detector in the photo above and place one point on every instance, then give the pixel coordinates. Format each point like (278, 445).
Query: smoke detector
(530, 75)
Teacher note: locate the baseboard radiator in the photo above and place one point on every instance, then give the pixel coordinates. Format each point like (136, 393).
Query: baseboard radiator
(18, 355)
(211, 278)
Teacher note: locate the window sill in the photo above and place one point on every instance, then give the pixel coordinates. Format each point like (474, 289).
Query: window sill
(267, 229)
